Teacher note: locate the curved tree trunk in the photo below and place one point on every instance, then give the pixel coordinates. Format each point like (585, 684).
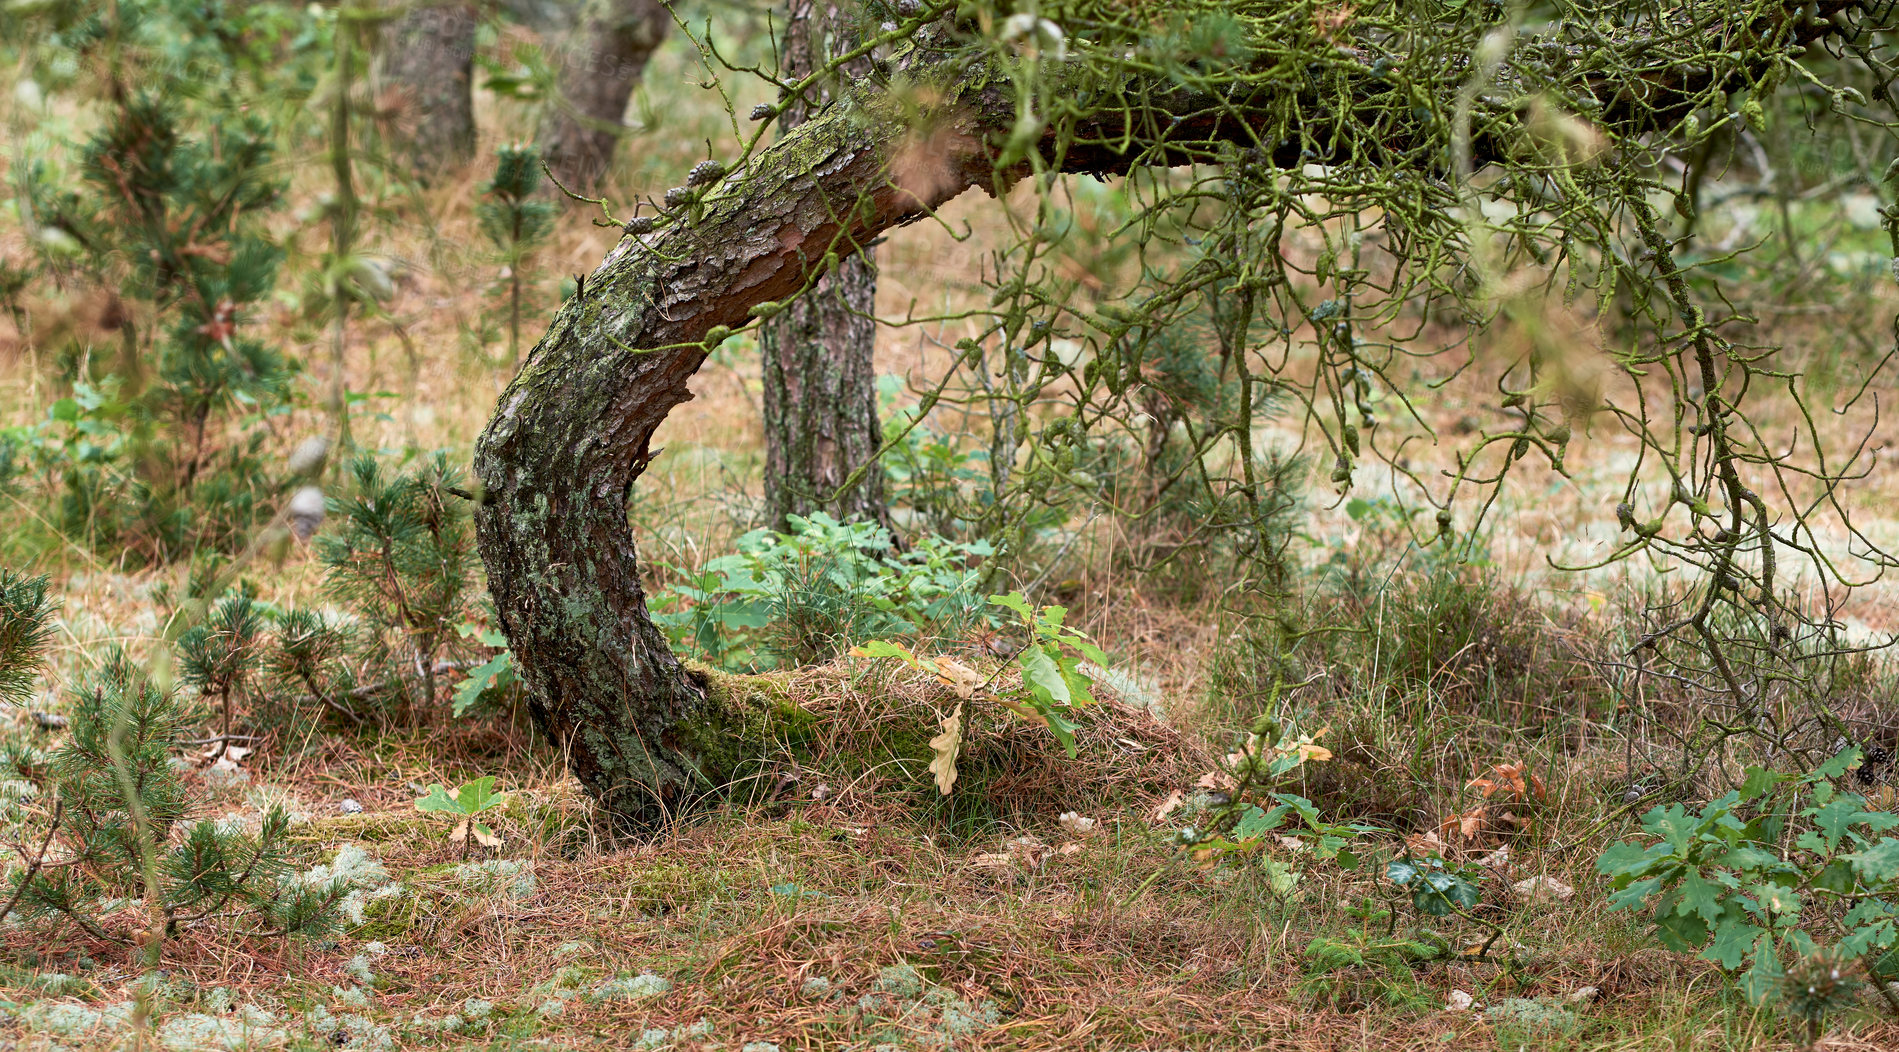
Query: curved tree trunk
(573, 430)
(819, 375)
(598, 72)
(428, 58)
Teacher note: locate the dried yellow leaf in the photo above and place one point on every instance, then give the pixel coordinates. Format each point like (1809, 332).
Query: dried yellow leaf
(945, 746)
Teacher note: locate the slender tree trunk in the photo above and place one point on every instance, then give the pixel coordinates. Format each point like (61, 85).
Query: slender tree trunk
(819, 375)
(598, 71)
(643, 733)
(428, 56)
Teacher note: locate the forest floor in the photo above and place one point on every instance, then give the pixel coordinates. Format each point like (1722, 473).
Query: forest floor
(869, 916)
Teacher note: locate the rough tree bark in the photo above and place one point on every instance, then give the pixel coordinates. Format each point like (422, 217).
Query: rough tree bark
(818, 371)
(428, 58)
(598, 72)
(643, 733)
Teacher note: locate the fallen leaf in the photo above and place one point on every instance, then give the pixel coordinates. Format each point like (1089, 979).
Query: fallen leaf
(958, 677)
(1169, 805)
(1544, 889)
(1215, 780)
(484, 836)
(1459, 1001)
(1025, 712)
(1309, 751)
(946, 745)
(460, 835)
(1076, 824)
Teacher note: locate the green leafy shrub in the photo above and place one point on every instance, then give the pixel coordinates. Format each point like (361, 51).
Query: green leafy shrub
(1763, 873)
(805, 596)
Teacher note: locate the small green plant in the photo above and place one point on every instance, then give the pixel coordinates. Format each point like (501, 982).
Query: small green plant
(1053, 682)
(167, 435)
(517, 222)
(465, 805)
(489, 680)
(1361, 966)
(1761, 873)
(402, 559)
(220, 654)
(401, 563)
(805, 596)
(1437, 889)
(1818, 984)
(1253, 812)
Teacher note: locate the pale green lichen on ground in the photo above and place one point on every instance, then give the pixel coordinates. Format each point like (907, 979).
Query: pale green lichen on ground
(358, 1031)
(205, 1031)
(515, 876)
(1532, 1015)
(631, 988)
(906, 1011)
(65, 1019)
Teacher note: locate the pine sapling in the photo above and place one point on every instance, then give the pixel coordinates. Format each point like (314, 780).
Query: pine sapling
(518, 222)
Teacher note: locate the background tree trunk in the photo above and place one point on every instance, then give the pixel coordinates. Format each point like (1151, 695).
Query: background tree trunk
(598, 71)
(819, 375)
(428, 58)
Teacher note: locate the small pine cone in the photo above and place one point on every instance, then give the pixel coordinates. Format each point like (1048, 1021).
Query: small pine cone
(679, 195)
(705, 172)
(765, 111)
(640, 225)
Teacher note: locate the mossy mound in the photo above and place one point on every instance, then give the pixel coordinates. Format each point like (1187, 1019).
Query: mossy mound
(857, 736)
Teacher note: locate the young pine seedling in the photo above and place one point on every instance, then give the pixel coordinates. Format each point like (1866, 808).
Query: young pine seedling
(517, 223)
